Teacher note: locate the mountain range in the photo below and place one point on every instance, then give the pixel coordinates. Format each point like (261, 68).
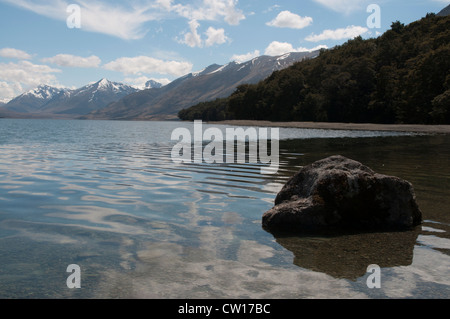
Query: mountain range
(110, 100)
(400, 77)
(215, 81)
(51, 102)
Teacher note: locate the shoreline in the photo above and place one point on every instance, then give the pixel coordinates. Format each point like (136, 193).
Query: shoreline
(411, 128)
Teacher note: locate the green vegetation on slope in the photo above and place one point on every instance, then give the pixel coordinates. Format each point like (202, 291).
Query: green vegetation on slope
(401, 77)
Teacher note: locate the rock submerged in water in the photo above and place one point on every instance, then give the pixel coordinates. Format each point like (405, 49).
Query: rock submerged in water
(338, 193)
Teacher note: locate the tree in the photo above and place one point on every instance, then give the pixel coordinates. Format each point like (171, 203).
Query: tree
(399, 77)
(397, 27)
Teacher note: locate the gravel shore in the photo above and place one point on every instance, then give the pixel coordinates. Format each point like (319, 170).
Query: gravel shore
(415, 128)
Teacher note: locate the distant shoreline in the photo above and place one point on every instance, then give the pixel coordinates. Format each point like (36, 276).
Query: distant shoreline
(408, 128)
(412, 128)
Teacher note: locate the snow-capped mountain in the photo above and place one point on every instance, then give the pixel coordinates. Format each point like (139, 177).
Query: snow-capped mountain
(151, 84)
(111, 100)
(33, 100)
(45, 92)
(46, 100)
(213, 82)
(89, 98)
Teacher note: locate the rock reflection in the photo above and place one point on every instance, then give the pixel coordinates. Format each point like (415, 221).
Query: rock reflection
(347, 256)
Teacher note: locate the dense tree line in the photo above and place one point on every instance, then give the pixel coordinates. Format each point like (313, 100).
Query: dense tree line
(402, 76)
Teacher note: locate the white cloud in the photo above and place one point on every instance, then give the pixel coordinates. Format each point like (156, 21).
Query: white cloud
(272, 8)
(245, 57)
(147, 65)
(68, 60)
(349, 32)
(127, 21)
(14, 54)
(192, 38)
(8, 91)
(319, 47)
(207, 10)
(96, 16)
(279, 48)
(287, 19)
(52, 9)
(27, 73)
(344, 6)
(17, 77)
(140, 82)
(215, 36)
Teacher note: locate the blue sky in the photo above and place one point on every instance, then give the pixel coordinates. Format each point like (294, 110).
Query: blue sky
(69, 43)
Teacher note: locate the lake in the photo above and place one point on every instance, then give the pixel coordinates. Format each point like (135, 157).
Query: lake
(107, 197)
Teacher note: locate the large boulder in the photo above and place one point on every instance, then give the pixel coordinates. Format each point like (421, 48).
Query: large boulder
(338, 193)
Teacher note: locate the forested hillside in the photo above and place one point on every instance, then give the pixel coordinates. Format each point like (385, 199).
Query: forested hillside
(402, 76)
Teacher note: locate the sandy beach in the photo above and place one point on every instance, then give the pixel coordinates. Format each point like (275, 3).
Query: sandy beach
(415, 128)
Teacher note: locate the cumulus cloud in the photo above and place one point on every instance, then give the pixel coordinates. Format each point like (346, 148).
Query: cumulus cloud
(287, 19)
(140, 81)
(215, 36)
(8, 91)
(14, 54)
(24, 75)
(147, 65)
(208, 10)
(194, 39)
(245, 57)
(68, 60)
(279, 48)
(349, 32)
(27, 72)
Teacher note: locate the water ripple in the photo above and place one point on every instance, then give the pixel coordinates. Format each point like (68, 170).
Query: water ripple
(108, 196)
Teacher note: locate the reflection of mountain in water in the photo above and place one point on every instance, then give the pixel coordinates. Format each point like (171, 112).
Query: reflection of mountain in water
(348, 256)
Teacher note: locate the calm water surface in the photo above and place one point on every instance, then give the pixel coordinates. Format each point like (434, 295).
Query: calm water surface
(107, 197)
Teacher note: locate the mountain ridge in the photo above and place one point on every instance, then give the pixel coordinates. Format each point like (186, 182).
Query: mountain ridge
(401, 77)
(105, 99)
(34, 99)
(215, 81)
(48, 101)
(444, 12)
